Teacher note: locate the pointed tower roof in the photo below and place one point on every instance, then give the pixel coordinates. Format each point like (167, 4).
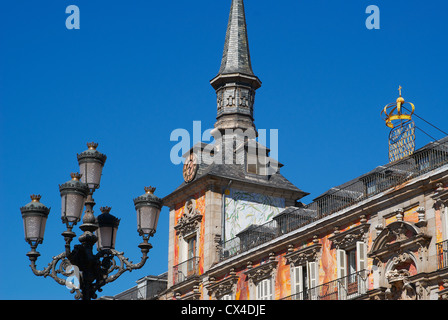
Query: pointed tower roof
(235, 63)
(236, 55)
(235, 83)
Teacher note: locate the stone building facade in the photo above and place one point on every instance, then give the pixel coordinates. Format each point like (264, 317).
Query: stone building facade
(239, 231)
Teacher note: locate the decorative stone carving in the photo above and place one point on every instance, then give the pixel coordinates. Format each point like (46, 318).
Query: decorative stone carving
(304, 255)
(348, 238)
(398, 237)
(397, 275)
(401, 288)
(190, 219)
(421, 217)
(401, 258)
(440, 196)
(262, 271)
(224, 286)
(422, 290)
(399, 214)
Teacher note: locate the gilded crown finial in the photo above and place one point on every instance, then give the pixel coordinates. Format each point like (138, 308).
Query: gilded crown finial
(402, 134)
(400, 100)
(35, 197)
(393, 111)
(92, 145)
(75, 176)
(150, 189)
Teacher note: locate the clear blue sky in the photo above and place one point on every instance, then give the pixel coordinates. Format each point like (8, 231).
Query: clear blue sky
(137, 70)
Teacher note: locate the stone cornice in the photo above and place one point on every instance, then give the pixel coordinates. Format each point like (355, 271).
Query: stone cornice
(262, 271)
(223, 286)
(348, 238)
(304, 255)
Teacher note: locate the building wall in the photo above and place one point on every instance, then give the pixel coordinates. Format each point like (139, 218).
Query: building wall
(418, 255)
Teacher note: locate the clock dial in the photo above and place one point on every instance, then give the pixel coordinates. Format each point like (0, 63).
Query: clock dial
(190, 168)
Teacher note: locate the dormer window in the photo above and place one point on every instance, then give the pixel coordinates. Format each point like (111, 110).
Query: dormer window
(252, 165)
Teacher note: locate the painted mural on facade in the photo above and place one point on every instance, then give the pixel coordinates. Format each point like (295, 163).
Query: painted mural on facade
(246, 208)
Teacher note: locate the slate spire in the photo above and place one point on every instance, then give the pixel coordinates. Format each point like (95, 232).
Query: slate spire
(235, 83)
(236, 55)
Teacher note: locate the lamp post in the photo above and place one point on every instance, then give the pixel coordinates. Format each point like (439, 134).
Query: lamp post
(91, 270)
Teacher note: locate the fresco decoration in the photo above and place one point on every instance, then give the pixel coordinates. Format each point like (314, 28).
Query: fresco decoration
(246, 208)
(327, 268)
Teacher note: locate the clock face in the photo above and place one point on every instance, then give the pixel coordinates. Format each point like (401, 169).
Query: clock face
(190, 168)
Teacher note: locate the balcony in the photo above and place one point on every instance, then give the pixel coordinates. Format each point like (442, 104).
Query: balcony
(186, 270)
(442, 254)
(347, 288)
(382, 178)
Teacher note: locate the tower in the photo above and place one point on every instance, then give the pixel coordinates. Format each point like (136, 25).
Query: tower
(236, 82)
(218, 201)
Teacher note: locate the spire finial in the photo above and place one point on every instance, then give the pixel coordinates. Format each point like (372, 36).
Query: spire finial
(399, 90)
(236, 56)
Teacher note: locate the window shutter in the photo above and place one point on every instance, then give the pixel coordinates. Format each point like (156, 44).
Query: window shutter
(269, 281)
(341, 262)
(264, 289)
(298, 273)
(312, 267)
(361, 257)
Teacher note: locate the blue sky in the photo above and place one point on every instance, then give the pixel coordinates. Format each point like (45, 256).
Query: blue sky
(137, 70)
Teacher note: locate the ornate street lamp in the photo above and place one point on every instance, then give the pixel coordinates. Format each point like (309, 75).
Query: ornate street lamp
(92, 270)
(107, 229)
(148, 208)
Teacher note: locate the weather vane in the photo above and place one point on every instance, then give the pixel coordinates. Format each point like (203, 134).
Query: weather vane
(402, 134)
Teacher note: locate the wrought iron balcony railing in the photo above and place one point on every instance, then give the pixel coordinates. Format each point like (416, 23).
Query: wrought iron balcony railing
(186, 270)
(442, 254)
(426, 159)
(346, 288)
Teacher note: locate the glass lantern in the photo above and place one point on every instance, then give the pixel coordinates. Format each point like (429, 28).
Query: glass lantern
(91, 163)
(148, 208)
(73, 195)
(34, 216)
(107, 229)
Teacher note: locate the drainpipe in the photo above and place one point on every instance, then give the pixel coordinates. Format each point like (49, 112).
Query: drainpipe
(223, 211)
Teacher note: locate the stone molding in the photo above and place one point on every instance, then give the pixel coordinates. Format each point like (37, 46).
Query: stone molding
(303, 255)
(223, 286)
(347, 239)
(189, 221)
(262, 271)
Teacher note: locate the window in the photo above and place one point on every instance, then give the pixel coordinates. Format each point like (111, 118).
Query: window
(252, 163)
(264, 289)
(301, 282)
(351, 261)
(349, 265)
(371, 187)
(191, 254)
(305, 278)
